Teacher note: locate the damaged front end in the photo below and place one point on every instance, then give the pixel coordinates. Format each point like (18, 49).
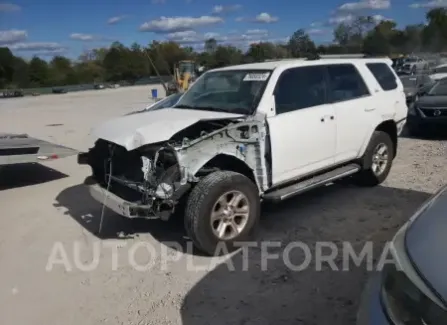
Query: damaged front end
(149, 181)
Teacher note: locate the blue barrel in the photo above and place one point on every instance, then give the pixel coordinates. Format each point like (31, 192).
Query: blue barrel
(154, 93)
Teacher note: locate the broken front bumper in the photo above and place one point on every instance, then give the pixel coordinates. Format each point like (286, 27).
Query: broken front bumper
(115, 203)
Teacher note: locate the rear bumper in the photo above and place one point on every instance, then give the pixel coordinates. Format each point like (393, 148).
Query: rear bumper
(115, 203)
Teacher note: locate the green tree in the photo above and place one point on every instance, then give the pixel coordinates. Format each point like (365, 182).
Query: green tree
(6, 66)
(39, 73)
(301, 45)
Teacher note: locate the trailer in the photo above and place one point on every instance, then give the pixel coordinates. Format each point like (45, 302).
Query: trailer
(23, 149)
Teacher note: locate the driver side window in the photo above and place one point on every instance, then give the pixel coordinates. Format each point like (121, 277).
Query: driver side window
(299, 88)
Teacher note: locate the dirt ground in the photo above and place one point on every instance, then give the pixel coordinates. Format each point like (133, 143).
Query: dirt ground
(50, 237)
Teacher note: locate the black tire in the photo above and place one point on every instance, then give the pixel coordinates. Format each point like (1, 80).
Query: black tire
(200, 204)
(367, 176)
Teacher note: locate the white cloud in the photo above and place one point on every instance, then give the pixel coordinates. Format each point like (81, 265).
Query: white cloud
(12, 36)
(39, 47)
(239, 19)
(365, 4)
(192, 37)
(349, 18)
(177, 24)
(430, 4)
(116, 19)
(219, 9)
(379, 18)
(316, 24)
(316, 31)
(265, 18)
(341, 19)
(257, 32)
(82, 37)
(9, 7)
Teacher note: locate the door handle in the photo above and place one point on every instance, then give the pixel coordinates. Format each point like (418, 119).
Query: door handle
(327, 116)
(370, 109)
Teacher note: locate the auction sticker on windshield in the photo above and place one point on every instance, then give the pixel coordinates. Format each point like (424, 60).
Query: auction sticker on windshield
(256, 76)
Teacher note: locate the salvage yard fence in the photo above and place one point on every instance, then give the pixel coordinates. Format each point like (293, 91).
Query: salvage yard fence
(84, 87)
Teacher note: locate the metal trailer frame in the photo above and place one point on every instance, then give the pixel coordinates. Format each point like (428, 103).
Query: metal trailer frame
(23, 149)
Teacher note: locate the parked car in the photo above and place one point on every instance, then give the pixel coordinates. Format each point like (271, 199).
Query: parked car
(245, 134)
(415, 84)
(413, 65)
(168, 101)
(413, 290)
(59, 91)
(439, 72)
(8, 93)
(429, 108)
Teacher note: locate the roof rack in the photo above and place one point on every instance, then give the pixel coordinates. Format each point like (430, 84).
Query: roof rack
(342, 56)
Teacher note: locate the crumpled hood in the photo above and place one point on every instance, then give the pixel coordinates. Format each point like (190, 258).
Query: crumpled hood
(426, 243)
(136, 130)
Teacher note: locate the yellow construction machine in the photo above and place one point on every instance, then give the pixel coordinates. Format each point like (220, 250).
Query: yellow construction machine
(185, 72)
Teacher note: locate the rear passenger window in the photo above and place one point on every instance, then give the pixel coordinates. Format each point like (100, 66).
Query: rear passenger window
(346, 83)
(383, 74)
(299, 88)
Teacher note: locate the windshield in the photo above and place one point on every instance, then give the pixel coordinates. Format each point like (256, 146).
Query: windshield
(164, 103)
(410, 60)
(441, 70)
(231, 91)
(438, 89)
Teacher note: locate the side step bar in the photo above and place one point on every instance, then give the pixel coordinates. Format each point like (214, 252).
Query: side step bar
(311, 183)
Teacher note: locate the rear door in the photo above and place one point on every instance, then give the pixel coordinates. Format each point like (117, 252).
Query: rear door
(353, 104)
(392, 97)
(303, 130)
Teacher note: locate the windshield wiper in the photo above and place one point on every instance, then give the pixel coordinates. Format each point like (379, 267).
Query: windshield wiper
(238, 110)
(184, 106)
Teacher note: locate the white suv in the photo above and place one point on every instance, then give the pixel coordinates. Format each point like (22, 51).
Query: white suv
(245, 134)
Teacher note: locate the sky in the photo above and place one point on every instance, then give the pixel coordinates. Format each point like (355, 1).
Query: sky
(52, 27)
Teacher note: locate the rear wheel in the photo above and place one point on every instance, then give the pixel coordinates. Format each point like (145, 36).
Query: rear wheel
(222, 211)
(377, 160)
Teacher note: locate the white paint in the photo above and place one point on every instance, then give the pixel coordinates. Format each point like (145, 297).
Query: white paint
(133, 131)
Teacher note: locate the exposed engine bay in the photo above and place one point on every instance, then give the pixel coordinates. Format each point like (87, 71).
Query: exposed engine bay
(156, 176)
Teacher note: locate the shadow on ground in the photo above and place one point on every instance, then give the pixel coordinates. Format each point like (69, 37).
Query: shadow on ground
(87, 212)
(436, 134)
(21, 175)
(241, 291)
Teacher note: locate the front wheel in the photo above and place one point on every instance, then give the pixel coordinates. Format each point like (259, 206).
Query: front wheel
(222, 211)
(377, 160)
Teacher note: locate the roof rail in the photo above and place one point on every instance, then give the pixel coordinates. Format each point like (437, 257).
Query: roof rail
(342, 56)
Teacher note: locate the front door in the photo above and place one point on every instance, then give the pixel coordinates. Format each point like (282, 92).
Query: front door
(303, 130)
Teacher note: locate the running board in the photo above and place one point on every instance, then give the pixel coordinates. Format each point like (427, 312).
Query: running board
(311, 183)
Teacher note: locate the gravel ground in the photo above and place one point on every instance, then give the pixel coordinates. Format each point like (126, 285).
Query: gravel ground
(46, 211)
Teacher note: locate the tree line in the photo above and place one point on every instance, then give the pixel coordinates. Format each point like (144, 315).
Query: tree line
(118, 63)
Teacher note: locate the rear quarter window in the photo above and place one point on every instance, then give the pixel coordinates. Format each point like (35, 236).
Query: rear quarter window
(383, 74)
